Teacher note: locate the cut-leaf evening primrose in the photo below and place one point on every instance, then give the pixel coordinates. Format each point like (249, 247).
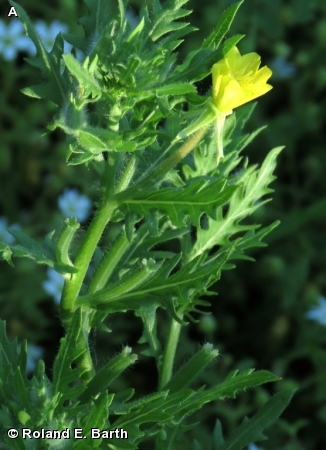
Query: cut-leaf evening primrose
(155, 242)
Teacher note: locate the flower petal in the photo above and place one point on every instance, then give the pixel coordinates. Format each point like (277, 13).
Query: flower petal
(237, 80)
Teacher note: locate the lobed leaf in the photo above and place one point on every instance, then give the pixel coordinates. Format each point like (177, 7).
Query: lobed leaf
(196, 198)
(243, 202)
(41, 254)
(66, 379)
(251, 430)
(223, 26)
(48, 62)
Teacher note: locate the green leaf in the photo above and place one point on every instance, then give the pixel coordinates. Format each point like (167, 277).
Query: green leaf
(21, 388)
(251, 430)
(218, 439)
(9, 352)
(151, 409)
(66, 380)
(43, 90)
(109, 262)
(108, 373)
(48, 62)
(94, 24)
(198, 64)
(175, 89)
(129, 282)
(84, 76)
(136, 31)
(192, 369)
(164, 19)
(223, 26)
(91, 142)
(252, 239)
(160, 288)
(229, 388)
(29, 248)
(96, 418)
(41, 254)
(121, 407)
(197, 197)
(243, 203)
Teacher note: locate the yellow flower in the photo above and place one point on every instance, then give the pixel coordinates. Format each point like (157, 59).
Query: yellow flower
(237, 80)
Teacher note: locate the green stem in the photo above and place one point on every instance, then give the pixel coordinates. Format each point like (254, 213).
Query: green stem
(169, 352)
(73, 286)
(83, 258)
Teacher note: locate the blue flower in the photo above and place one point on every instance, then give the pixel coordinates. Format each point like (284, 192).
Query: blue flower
(253, 447)
(48, 33)
(5, 236)
(282, 68)
(318, 314)
(72, 204)
(132, 19)
(54, 284)
(34, 353)
(13, 39)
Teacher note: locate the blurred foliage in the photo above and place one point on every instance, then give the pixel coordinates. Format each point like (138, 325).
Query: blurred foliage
(259, 315)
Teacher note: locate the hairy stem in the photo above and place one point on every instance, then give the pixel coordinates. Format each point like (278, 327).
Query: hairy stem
(83, 259)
